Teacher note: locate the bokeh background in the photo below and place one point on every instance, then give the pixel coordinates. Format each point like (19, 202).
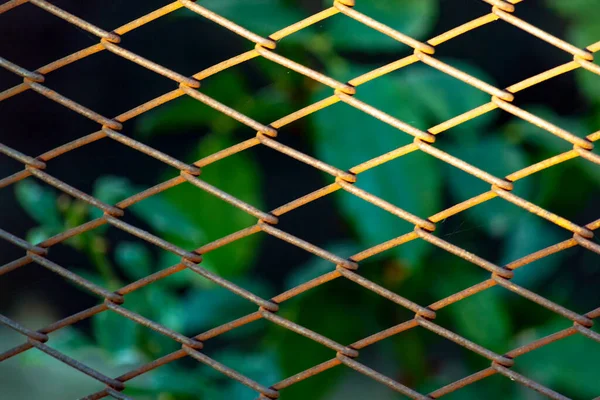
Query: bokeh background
(497, 231)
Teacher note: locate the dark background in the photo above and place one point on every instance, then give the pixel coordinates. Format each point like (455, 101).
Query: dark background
(111, 85)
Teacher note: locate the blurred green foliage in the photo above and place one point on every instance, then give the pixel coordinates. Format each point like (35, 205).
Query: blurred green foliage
(343, 137)
(411, 17)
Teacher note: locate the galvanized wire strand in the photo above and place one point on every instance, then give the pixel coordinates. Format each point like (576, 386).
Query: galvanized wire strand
(348, 92)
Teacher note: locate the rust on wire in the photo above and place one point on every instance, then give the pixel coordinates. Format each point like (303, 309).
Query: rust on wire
(342, 355)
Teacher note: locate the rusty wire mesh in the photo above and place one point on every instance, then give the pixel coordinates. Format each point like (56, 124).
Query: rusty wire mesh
(349, 92)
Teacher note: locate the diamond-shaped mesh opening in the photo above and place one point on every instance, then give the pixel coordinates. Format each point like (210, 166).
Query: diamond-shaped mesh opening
(189, 53)
(370, 310)
(492, 328)
(104, 177)
(384, 138)
(501, 36)
(114, 79)
(52, 28)
(315, 354)
(47, 130)
(359, 33)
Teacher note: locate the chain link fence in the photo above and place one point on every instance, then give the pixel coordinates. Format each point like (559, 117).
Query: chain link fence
(346, 354)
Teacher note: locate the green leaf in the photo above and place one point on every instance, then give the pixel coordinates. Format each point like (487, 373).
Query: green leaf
(134, 258)
(157, 211)
(175, 116)
(115, 333)
(183, 113)
(157, 303)
(569, 365)
(38, 235)
(39, 202)
(576, 9)
(530, 234)
(395, 181)
(484, 319)
(207, 308)
(499, 158)
(262, 367)
(543, 139)
(237, 175)
(319, 266)
(174, 380)
(267, 104)
(164, 307)
(443, 97)
(228, 87)
(414, 18)
(180, 279)
(112, 189)
(262, 17)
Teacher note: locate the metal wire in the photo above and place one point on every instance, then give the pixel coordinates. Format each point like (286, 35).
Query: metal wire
(266, 47)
